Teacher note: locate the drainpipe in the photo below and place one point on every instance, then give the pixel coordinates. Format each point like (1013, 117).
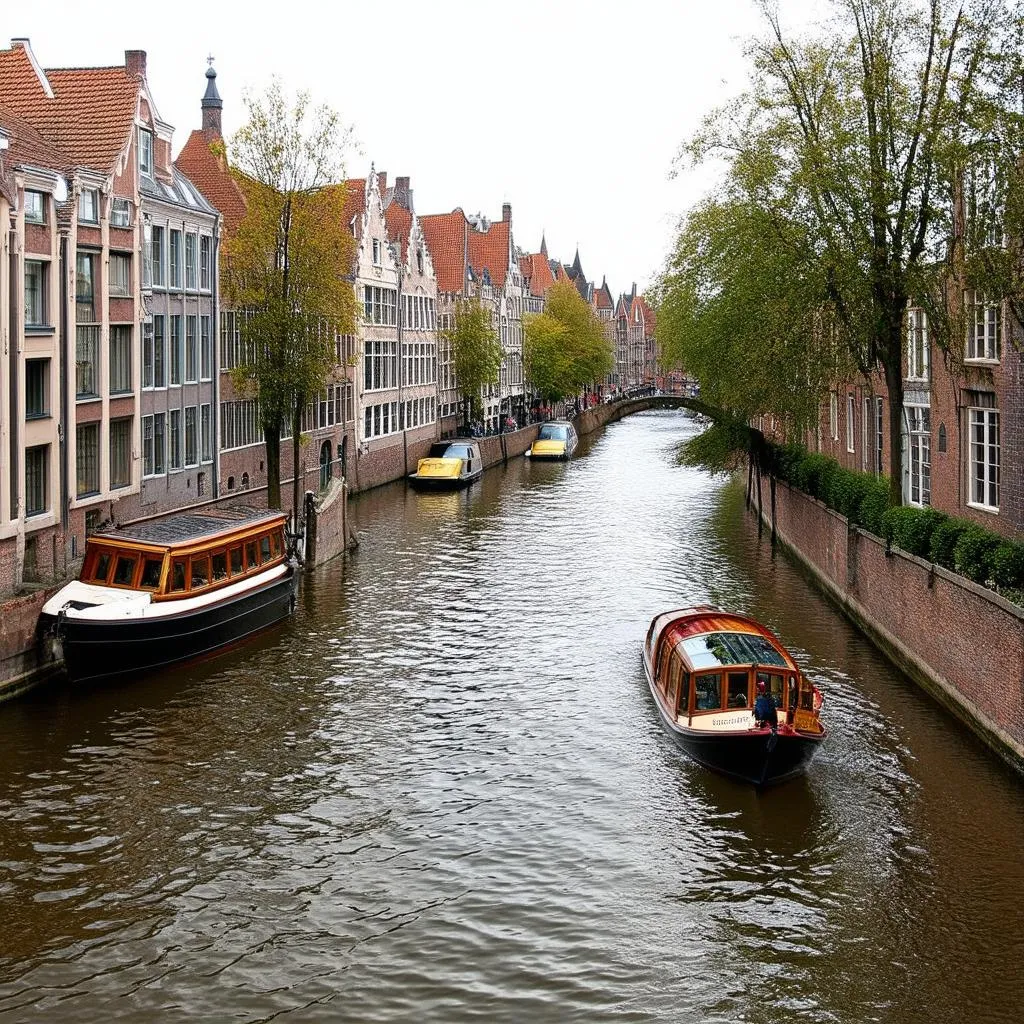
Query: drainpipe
(63, 426)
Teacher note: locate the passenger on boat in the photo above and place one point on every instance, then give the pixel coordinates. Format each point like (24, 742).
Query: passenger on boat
(764, 708)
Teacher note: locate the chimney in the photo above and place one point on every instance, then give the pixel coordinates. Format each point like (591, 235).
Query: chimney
(382, 182)
(402, 192)
(506, 212)
(212, 104)
(135, 63)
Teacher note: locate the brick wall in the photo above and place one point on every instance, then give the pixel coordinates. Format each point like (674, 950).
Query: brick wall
(962, 643)
(23, 661)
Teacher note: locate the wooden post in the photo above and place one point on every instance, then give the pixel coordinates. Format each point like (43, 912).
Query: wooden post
(771, 483)
(310, 552)
(750, 477)
(760, 503)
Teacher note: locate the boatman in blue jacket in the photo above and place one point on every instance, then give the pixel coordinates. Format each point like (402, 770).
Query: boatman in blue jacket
(764, 708)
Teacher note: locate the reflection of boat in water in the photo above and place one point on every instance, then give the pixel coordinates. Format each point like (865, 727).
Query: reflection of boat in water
(158, 593)
(555, 440)
(705, 667)
(449, 465)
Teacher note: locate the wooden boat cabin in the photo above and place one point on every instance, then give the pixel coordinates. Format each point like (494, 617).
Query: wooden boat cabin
(156, 593)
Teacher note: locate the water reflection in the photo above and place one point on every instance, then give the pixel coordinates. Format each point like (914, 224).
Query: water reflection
(442, 792)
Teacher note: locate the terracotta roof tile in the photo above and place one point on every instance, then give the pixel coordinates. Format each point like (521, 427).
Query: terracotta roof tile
(445, 235)
(537, 271)
(399, 223)
(489, 250)
(27, 146)
(203, 161)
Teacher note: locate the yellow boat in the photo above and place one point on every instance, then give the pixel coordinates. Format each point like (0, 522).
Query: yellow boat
(448, 466)
(556, 440)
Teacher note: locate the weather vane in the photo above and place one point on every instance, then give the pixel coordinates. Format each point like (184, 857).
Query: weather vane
(209, 60)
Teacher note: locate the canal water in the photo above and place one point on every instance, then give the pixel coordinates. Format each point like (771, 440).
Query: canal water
(441, 793)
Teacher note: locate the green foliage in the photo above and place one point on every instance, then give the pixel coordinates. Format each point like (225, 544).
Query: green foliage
(874, 505)
(910, 528)
(1008, 565)
(718, 449)
(565, 348)
(476, 351)
(944, 540)
(846, 491)
(811, 472)
(973, 553)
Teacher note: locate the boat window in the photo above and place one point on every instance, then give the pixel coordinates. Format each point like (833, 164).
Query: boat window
(151, 573)
(806, 695)
(738, 686)
(775, 685)
(236, 560)
(275, 543)
(458, 451)
(553, 432)
(200, 571)
(265, 548)
(713, 649)
(792, 693)
(177, 575)
(675, 675)
(101, 568)
(252, 555)
(708, 690)
(220, 565)
(124, 571)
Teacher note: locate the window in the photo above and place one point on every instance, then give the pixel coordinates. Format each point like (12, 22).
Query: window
(380, 365)
(205, 433)
(120, 275)
(190, 262)
(205, 349)
(85, 293)
(984, 429)
(984, 327)
(147, 356)
(200, 571)
(380, 305)
(146, 151)
(708, 691)
(190, 436)
(879, 435)
(376, 252)
(151, 569)
(121, 452)
(174, 439)
(159, 359)
(36, 480)
(205, 244)
(147, 255)
(89, 206)
(35, 207)
(833, 416)
(153, 444)
(87, 362)
(121, 213)
(159, 278)
(177, 352)
(35, 293)
(919, 442)
(240, 424)
(87, 459)
(850, 407)
(865, 435)
(917, 344)
(175, 259)
(120, 359)
(191, 369)
(178, 575)
(37, 388)
(159, 441)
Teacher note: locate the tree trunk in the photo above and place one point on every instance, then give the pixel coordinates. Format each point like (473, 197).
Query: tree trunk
(894, 383)
(272, 437)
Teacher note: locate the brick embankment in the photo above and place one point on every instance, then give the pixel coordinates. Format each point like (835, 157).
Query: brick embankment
(962, 643)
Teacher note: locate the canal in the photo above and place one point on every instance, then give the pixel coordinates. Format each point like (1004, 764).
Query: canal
(441, 793)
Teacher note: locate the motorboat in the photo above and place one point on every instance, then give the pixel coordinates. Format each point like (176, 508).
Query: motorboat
(556, 439)
(448, 466)
(731, 695)
(181, 587)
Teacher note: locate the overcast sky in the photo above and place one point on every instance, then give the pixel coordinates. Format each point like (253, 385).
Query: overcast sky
(570, 111)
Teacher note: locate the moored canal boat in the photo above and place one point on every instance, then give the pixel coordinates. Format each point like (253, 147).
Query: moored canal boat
(448, 466)
(731, 695)
(158, 593)
(555, 440)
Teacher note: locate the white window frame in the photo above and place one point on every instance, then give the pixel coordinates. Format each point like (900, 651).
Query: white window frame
(850, 423)
(918, 354)
(89, 203)
(919, 461)
(31, 216)
(984, 471)
(984, 329)
(121, 213)
(833, 415)
(146, 151)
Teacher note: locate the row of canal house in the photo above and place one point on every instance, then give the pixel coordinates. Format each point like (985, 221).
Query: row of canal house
(117, 399)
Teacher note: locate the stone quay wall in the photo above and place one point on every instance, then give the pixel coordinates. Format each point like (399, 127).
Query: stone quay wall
(960, 642)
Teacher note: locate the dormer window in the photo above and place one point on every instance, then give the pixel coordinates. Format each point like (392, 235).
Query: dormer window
(121, 214)
(146, 151)
(35, 207)
(89, 206)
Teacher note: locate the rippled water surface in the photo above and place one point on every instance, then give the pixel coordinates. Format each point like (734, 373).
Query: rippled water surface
(441, 793)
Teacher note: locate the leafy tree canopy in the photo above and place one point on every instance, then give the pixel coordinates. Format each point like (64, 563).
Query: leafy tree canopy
(476, 351)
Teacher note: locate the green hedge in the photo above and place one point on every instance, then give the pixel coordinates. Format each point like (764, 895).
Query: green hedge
(956, 544)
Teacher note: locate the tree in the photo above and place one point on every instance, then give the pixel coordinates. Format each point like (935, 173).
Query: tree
(564, 348)
(476, 352)
(286, 265)
(846, 159)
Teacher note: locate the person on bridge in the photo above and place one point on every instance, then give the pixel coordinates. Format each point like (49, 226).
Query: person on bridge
(764, 708)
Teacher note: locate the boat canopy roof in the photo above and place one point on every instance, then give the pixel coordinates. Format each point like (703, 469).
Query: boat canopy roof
(190, 527)
(708, 638)
(553, 432)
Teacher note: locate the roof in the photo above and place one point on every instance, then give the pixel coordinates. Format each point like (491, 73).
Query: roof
(603, 296)
(399, 224)
(189, 527)
(489, 250)
(26, 146)
(537, 271)
(87, 114)
(179, 191)
(445, 235)
(203, 159)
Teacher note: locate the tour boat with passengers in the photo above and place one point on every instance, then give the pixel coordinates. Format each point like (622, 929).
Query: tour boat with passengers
(731, 695)
(555, 440)
(167, 591)
(448, 466)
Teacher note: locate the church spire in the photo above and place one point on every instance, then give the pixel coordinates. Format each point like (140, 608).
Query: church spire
(543, 245)
(212, 103)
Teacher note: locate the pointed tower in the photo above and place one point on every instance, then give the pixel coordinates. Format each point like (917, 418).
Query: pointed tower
(543, 246)
(212, 103)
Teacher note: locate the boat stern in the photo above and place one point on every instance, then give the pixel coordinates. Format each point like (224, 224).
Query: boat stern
(548, 450)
